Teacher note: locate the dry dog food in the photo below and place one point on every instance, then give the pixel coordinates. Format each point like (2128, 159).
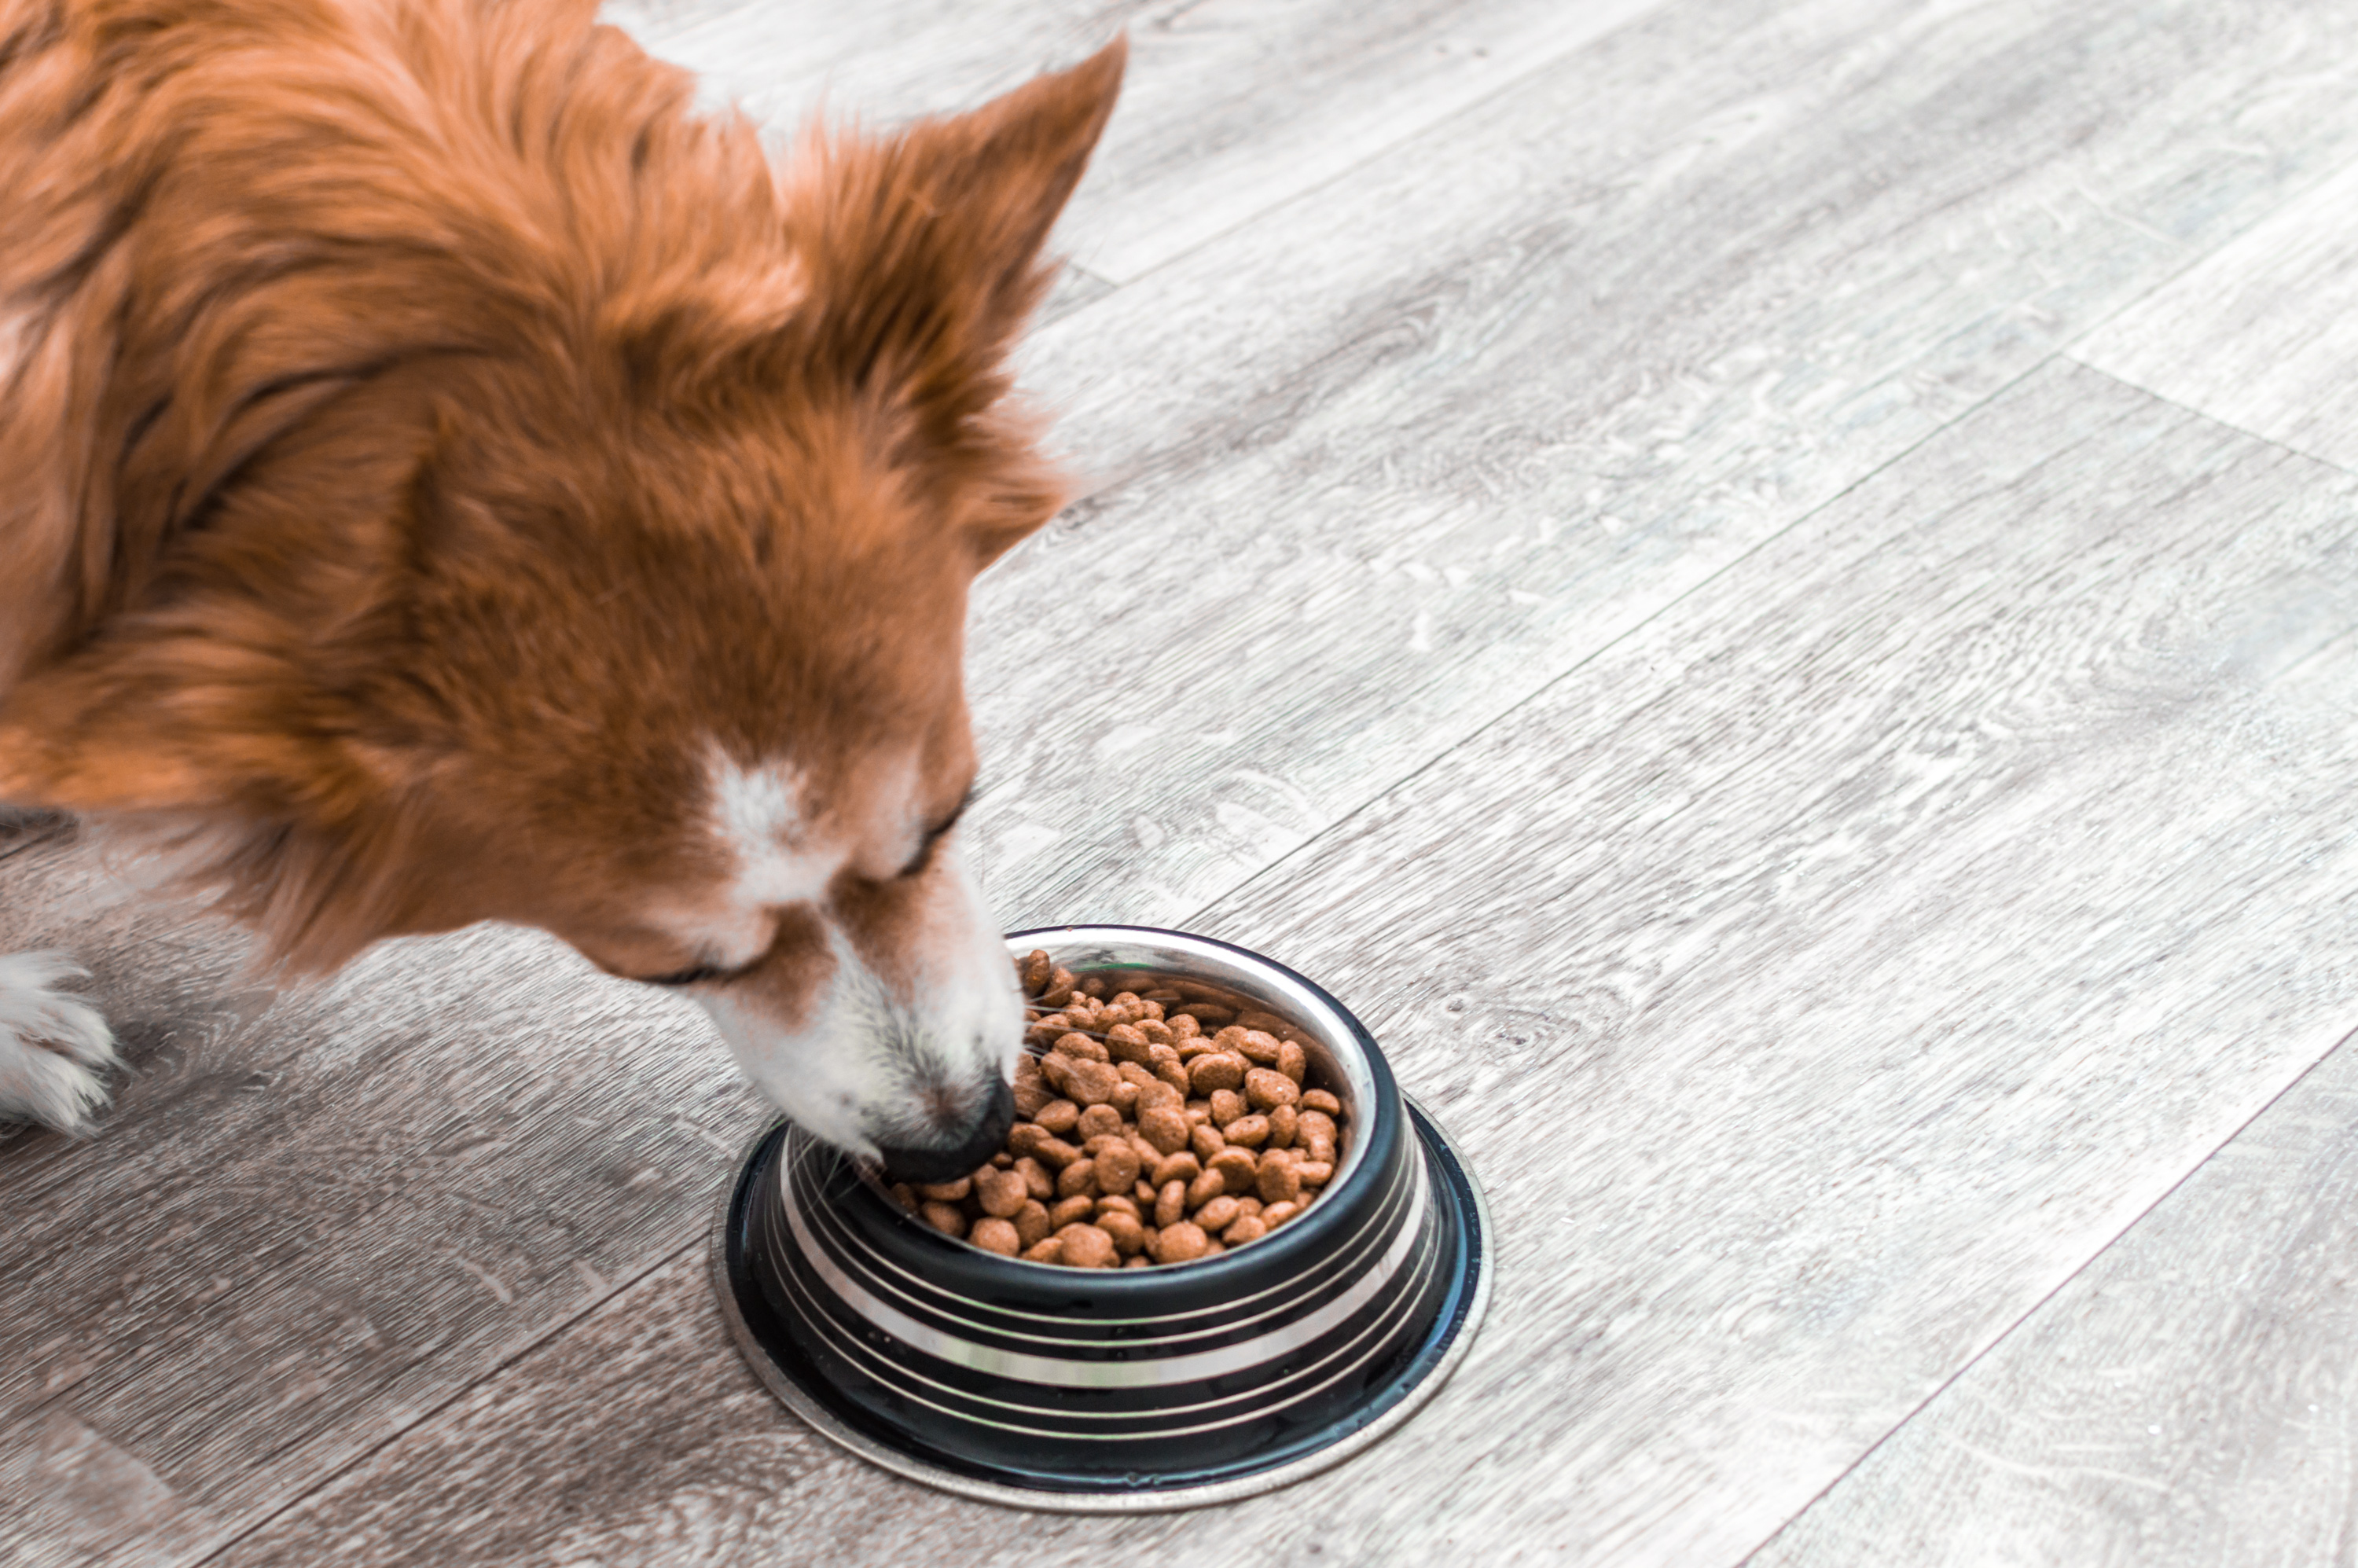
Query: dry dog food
(1151, 1130)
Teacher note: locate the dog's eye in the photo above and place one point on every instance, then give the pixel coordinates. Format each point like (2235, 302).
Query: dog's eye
(696, 975)
(936, 833)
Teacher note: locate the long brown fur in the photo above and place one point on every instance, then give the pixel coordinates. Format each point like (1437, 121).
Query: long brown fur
(416, 425)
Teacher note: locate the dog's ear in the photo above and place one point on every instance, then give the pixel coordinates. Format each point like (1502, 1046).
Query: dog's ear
(923, 248)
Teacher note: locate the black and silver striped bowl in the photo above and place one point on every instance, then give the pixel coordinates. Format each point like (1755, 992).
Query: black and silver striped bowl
(1109, 1390)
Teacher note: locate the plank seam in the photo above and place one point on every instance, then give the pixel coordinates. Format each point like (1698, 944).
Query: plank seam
(327, 1479)
(2040, 1305)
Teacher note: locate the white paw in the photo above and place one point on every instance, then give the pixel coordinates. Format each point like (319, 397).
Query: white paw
(53, 1044)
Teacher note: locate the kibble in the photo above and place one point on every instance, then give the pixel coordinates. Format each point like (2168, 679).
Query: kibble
(1153, 1130)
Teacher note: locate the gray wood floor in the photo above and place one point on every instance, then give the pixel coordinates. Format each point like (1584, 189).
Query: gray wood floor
(1814, 546)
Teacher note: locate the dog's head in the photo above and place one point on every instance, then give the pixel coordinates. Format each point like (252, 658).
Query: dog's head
(634, 610)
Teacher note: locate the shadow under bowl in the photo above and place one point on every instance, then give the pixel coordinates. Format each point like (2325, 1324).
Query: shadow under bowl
(1112, 1390)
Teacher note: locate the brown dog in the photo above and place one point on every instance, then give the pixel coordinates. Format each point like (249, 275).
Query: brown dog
(442, 479)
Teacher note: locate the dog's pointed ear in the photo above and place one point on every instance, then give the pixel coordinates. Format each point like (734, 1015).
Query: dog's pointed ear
(925, 246)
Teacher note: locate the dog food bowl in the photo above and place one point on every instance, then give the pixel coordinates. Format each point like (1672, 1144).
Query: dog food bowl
(1112, 1390)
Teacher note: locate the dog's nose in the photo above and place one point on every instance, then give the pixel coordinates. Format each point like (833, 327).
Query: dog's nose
(913, 1162)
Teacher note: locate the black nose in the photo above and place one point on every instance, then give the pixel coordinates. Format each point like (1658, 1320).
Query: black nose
(915, 1162)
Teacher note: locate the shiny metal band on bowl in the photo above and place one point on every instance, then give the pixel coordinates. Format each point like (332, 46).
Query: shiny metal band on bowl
(1118, 1389)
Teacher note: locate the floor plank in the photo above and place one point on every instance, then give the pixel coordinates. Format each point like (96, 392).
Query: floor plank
(2185, 1400)
(2264, 334)
(316, 1214)
(1370, 471)
(1817, 978)
(1230, 107)
(1384, 462)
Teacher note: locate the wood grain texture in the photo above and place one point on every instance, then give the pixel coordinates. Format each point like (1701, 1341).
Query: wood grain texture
(1372, 469)
(2263, 334)
(1817, 978)
(1231, 106)
(1382, 463)
(2186, 1399)
(316, 1214)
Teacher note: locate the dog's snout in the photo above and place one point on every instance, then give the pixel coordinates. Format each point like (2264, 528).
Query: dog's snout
(994, 1114)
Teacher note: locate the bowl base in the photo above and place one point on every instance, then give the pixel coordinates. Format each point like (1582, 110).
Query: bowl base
(777, 1358)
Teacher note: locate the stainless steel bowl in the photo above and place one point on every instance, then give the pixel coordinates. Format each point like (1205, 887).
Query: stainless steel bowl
(1124, 1389)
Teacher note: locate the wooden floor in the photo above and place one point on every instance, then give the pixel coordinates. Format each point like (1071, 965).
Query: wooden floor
(1765, 587)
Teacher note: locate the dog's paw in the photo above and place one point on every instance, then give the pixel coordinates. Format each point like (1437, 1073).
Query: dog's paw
(53, 1044)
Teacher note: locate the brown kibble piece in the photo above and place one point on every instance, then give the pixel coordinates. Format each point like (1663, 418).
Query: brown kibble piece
(1277, 1213)
(1060, 988)
(1181, 1167)
(1146, 1082)
(1037, 1182)
(1263, 1049)
(905, 1196)
(1155, 1033)
(1181, 1243)
(1121, 1203)
(1093, 1083)
(1078, 1047)
(1320, 1100)
(1244, 1227)
(1170, 1204)
(1215, 1070)
(1002, 1193)
(1055, 1153)
(1031, 1094)
(1240, 1166)
(1184, 1027)
(1097, 1120)
(1246, 1131)
(945, 1192)
(1043, 1251)
(1268, 1090)
(1293, 1062)
(1127, 1042)
(1165, 1127)
(1025, 1136)
(1217, 1214)
(1144, 1191)
(1226, 1106)
(1085, 1247)
(995, 1235)
(1034, 971)
(1280, 1183)
(1059, 1117)
(1207, 1139)
(1171, 1070)
(945, 1218)
(1313, 1173)
(1284, 1122)
(1205, 1188)
(1141, 1261)
(1160, 1095)
(1129, 1235)
(1125, 1096)
(1031, 1223)
(1071, 1210)
(1117, 1168)
(1080, 1177)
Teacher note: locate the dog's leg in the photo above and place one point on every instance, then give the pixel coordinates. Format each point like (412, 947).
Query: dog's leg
(53, 1044)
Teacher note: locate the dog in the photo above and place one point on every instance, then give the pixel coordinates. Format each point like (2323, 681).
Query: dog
(444, 478)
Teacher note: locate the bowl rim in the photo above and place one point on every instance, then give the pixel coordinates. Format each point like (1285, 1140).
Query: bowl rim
(1375, 1102)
